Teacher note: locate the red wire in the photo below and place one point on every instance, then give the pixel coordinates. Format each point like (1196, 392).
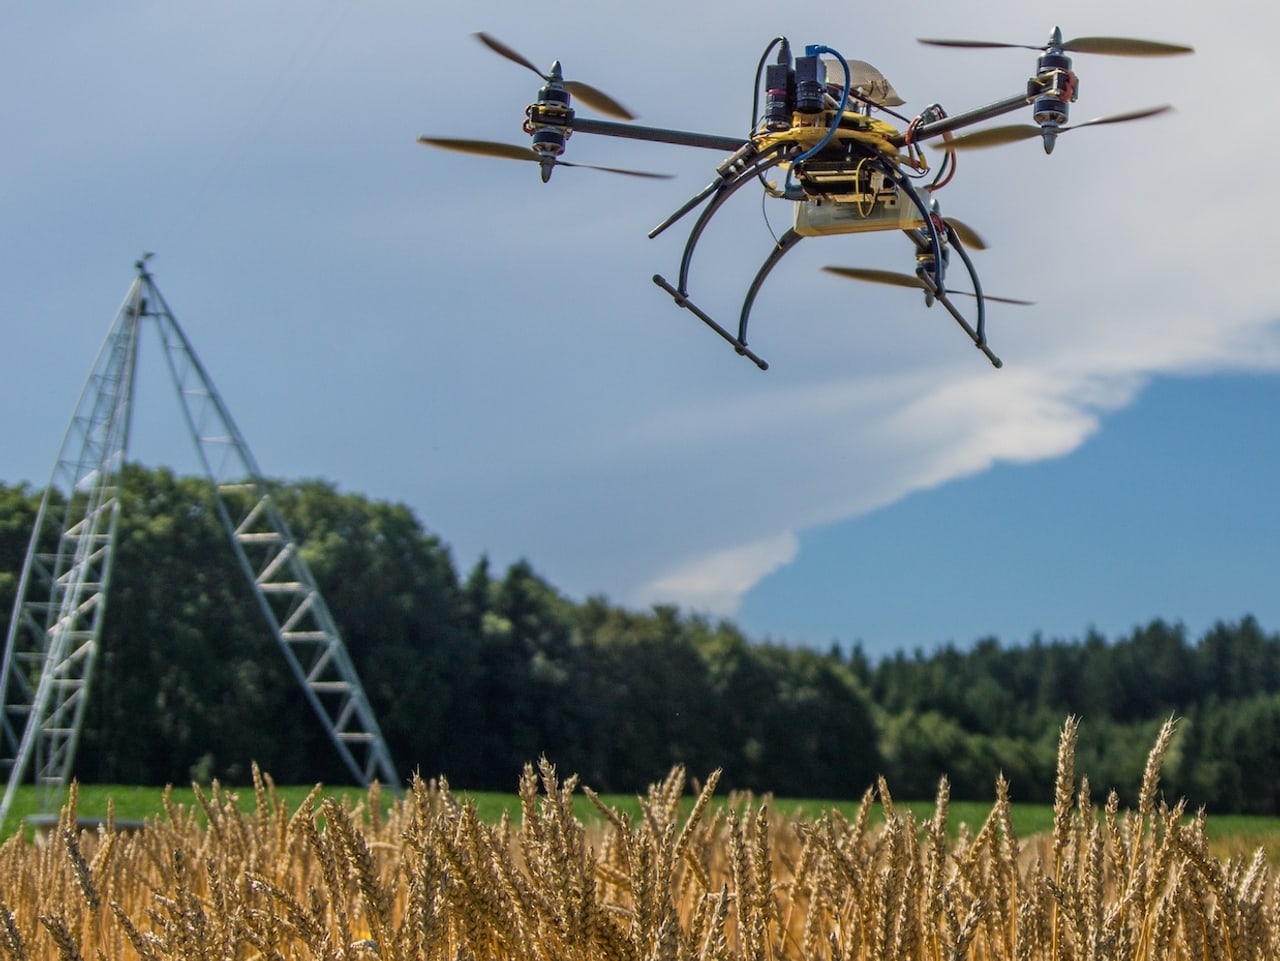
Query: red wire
(950, 173)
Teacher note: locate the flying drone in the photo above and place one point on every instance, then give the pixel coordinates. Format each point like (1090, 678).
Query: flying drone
(844, 170)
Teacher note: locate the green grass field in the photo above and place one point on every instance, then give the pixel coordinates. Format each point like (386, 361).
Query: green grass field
(1231, 834)
(143, 803)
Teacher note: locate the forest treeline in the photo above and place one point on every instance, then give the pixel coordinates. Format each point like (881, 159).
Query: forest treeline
(471, 675)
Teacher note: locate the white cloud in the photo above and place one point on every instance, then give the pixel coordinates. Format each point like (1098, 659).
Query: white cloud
(717, 581)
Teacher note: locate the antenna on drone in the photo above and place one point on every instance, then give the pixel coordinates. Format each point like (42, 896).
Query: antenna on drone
(53, 636)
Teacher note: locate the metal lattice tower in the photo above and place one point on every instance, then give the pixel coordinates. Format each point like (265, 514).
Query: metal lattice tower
(54, 633)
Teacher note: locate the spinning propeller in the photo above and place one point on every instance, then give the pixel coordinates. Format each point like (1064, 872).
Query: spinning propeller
(549, 129)
(593, 98)
(506, 151)
(1114, 46)
(1054, 87)
(895, 279)
(1012, 133)
(968, 236)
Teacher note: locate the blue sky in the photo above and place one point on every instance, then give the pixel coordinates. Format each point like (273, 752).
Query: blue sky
(1169, 511)
(449, 332)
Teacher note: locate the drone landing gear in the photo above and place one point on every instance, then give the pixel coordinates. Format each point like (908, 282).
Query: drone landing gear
(784, 244)
(735, 173)
(929, 242)
(978, 335)
(978, 339)
(682, 300)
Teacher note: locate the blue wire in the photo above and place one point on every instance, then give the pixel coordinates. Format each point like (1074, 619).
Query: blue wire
(816, 50)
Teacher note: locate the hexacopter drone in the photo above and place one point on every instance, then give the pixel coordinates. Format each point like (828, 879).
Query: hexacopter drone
(845, 170)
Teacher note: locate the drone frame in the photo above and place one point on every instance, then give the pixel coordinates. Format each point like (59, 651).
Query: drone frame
(931, 243)
(551, 120)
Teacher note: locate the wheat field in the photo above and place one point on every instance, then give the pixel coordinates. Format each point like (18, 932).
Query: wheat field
(729, 881)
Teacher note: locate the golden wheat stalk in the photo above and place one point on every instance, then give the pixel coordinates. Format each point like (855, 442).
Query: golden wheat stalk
(424, 878)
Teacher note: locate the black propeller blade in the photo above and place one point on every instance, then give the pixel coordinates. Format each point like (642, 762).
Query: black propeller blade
(1012, 133)
(1113, 46)
(895, 279)
(504, 151)
(596, 99)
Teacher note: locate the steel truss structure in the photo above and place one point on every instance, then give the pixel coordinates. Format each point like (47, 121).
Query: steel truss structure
(54, 633)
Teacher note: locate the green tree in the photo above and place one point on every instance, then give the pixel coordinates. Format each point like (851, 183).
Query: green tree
(394, 590)
(820, 738)
(526, 694)
(645, 696)
(18, 507)
(188, 681)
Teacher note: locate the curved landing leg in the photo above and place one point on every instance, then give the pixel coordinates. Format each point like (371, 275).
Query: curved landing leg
(784, 244)
(680, 290)
(977, 333)
(978, 340)
(929, 238)
(726, 190)
(980, 332)
(682, 300)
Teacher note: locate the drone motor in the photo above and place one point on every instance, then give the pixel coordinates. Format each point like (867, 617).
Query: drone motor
(1053, 89)
(549, 120)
